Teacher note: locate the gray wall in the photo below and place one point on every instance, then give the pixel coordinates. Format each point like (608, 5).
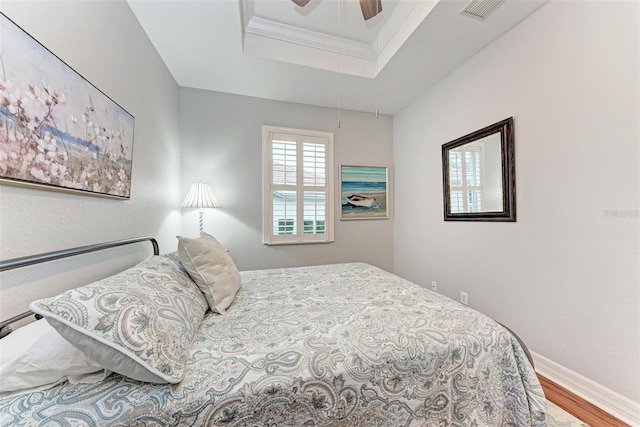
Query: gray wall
(102, 41)
(565, 276)
(221, 138)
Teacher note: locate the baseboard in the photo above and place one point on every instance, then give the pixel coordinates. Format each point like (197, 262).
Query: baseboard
(609, 401)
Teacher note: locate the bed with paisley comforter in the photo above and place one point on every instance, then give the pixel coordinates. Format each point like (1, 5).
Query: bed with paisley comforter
(333, 345)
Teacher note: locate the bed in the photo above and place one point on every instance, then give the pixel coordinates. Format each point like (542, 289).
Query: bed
(331, 345)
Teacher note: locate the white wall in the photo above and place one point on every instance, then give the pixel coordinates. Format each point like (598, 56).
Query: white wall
(102, 41)
(221, 137)
(565, 276)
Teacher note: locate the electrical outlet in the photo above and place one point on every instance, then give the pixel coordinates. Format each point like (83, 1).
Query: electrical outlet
(464, 298)
(434, 286)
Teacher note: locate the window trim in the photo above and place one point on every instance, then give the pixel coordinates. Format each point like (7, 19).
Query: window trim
(269, 238)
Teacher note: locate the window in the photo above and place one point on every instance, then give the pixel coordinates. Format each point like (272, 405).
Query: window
(465, 172)
(297, 186)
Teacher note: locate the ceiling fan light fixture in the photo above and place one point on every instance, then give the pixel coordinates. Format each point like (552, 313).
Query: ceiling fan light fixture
(370, 8)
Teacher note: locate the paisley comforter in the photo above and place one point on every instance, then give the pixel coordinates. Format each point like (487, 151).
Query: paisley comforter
(337, 345)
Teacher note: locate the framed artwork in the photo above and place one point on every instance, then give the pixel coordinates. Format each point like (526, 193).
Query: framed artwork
(57, 130)
(364, 192)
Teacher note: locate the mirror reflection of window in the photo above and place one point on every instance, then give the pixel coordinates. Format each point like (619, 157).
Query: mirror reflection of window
(479, 175)
(466, 168)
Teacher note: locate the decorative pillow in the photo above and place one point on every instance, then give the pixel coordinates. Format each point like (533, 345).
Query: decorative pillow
(139, 323)
(36, 357)
(213, 270)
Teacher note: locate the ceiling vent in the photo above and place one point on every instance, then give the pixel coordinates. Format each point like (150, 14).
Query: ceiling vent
(480, 9)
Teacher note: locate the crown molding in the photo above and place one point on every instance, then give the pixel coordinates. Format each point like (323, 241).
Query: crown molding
(275, 30)
(283, 42)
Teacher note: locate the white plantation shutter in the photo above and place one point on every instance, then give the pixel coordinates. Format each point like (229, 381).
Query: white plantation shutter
(314, 163)
(298, 189)
(284, 162)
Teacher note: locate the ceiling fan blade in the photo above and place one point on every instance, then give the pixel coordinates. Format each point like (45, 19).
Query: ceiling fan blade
(300, 3)
(370, 8)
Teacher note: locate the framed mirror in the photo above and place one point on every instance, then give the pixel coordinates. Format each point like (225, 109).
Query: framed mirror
(478, 172)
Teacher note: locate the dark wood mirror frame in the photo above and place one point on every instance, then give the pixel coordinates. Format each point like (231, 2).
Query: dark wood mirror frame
(508, 213)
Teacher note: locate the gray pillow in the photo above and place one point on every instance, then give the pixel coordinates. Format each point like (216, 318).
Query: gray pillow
(139, 323)
(213, 270)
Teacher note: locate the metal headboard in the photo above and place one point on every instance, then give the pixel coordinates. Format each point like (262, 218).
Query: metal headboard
(12, 264)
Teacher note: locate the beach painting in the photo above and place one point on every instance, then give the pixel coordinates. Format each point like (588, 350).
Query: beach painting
(364, 192)
(57, 130)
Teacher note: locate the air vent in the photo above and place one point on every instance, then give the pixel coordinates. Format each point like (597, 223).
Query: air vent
(480, 9)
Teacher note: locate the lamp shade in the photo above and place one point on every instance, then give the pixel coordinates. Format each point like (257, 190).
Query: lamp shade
(200, 196)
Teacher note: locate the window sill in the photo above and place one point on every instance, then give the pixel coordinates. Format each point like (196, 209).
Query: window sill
(298, 243)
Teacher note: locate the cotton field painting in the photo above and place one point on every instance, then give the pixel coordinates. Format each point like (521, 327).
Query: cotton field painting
(57, 130)
(364, 192)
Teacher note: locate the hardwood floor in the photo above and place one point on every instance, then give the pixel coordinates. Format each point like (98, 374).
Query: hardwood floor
(577, 406)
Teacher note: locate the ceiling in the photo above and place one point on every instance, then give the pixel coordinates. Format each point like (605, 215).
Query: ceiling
(323, 54)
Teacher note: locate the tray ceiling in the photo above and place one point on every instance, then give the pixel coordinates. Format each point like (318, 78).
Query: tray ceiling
(324, 53)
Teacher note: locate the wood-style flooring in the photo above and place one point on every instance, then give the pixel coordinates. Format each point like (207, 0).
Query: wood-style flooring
(577, 406)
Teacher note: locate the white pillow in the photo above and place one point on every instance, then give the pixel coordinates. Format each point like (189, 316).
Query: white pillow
(36, 356)
(213, 270)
